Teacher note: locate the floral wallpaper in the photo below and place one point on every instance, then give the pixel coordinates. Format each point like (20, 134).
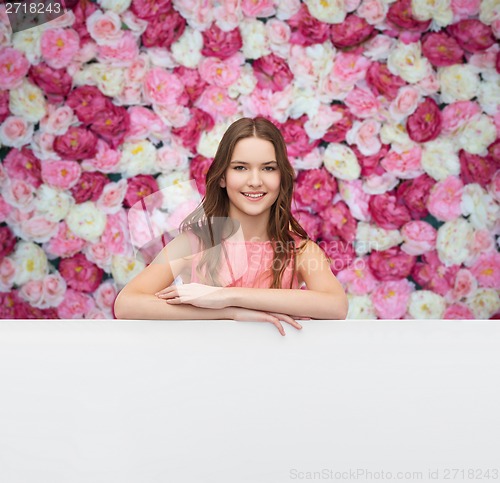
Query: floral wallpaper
(390, 111)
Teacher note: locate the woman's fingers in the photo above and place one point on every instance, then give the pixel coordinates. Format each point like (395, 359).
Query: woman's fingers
(278, 325)
(289, 320)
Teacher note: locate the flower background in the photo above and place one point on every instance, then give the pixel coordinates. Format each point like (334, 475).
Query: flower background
(390, 110)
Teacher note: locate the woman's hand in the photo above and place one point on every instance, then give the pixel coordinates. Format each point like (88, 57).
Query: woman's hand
(250, 315)
(196, 294)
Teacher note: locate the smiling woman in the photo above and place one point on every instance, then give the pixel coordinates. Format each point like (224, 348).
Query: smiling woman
(246, 211)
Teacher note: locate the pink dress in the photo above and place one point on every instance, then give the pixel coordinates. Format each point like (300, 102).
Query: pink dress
(246, 264)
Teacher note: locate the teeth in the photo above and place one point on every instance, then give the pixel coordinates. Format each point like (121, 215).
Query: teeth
(253, 196)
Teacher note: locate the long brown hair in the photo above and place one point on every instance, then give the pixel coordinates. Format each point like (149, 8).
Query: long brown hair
(214, 207)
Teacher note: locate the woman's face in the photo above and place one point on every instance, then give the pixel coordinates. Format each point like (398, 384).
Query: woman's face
(253, 169)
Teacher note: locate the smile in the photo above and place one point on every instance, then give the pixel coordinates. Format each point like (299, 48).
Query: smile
(254, 197)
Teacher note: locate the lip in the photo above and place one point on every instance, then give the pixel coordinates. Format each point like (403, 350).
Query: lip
(255, 193)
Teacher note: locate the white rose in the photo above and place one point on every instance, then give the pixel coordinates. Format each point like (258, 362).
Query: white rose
(138, 158)
(397, 136)
(379, 184)
(438, 10)
(425, 304)
(42, 145)
(480, 205)
(245, 84)
(378, 47)
(406, 61)
(255, 41)
(86, 221)
(453, 241)
(187, 50)
(58, 120)
(458, 82)
(303, 101)
(177, 189)
(28, 102)
(360, 307)
(124, 269)
(341, 161)
(484, 302)
(117, 6)
(372, 237)
(489, 95)
(199, 13)
(209, 140)
(287, 8)
(317, 125)
(278, 33)
(105, 28)
(15, 132)
(19, 193)
(5, 35)
(331, 11)
(52, 203)
(173, 156)
(439, 159)
(110, 80)
(489, 11)
(477, 135)
(31, 262)
(29, 43)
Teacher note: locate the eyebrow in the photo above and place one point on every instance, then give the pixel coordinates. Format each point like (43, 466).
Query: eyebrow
(244, 162)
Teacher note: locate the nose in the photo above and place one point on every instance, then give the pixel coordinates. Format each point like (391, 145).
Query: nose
(255, 178)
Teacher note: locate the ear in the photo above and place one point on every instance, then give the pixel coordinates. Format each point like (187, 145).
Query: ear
(222, 182)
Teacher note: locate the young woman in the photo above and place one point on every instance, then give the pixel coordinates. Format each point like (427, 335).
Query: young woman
(249, 190)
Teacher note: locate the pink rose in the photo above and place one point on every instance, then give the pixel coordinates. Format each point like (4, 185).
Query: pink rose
(472, 35)
(7, 274)
(441, 49)
(194, 85)
(164, 29)
(419, 237)
(494, 187)
(358, 277)
(80, 274)
(105, 28)
(388, 212)
(297, 141)
(61, 174)
(405, 103)
(465, 8)
(373, 11)
(99, 254)
(365, 135)
(405, 165)
(89, 186)
(76, 305)
(356, 199)
(445, 198)
(54, 289)
(391, 264)
(189, 135)
(221, 44)
(337, 132)
(486, 269)
(121, 54)
(340, 253)
(19, 194)
(87, 102)
(352, 31)
(23, 164)
(112, 196)
(58, 119)
(390, 299)
(338, 222)
(431, 274)
(263, 8)
(32, 292)
(362, 103)
(477, 169)
(143, 122)
(13, 68)
(306, 29)
(65, 243)
(458, 312)
(116, 234)
(162, 87)
(111, 125)
(55, 83)
(465, 284)
(382, 82)
(76, 144)
(105, 160)
(272, 72)
(400, 14)
(308, 221)
(146, 9)
(15, 131)
(314, 189)
(59, 46)
(349, 68)
(7, 241)
(105, 295)
(370, 165)
(141, 187)
(414, 193)
(198, 169)
(425, 123)
(457, 114)
(482, 241)
(38, 228)
(221, 73)
(82, 11)
(217, 103)
(4, 105)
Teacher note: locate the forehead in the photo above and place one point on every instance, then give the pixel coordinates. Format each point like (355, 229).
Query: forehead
(253, 150)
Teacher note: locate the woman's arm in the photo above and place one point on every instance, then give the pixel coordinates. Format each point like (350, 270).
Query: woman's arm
(324, 299)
